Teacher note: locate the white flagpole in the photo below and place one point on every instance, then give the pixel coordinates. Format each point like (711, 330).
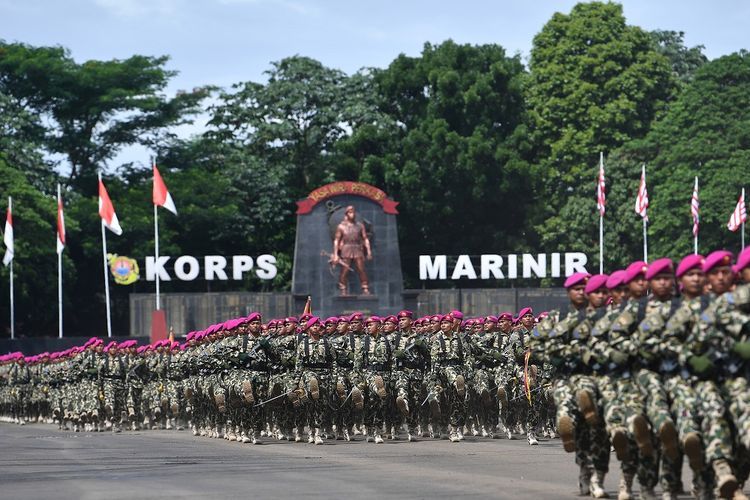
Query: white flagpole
(156, 240)
(12, 302)
(695, 237)
(156, 252)
(601, 244)
(645, 242)
(106, 279)
(59, 280)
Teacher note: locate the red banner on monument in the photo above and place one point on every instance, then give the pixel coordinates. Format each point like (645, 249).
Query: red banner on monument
(346, 187)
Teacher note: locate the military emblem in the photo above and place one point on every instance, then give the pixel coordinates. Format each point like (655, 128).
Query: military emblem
(124, 270)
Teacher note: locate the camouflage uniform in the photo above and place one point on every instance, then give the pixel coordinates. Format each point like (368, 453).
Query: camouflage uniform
(620, 397)
(447, 385)
(488, 377)
(346, 347)
(373, 367)
(313, 370)
(283, 381)
(411, 362)
(112, 373)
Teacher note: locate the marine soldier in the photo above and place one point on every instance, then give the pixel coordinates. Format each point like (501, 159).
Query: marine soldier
(447, 386)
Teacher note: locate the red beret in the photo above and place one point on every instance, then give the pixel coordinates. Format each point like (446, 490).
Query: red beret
(390, 319)
(743, 260)
(596, 282)
(576, 279)
(291, 319)
(490, 319)
(357, 316)
(312, 321)
(405, 314)
(688, 263)
(373, 319)
(505, 316)
(615, 279)
(479, 320)
(634, 270)
(456, 314)
(717, 259)
(331, 320)
(343, 319)
(660, 266)
(523, 312)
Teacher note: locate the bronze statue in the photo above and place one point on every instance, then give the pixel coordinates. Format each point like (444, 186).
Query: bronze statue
(351, 247)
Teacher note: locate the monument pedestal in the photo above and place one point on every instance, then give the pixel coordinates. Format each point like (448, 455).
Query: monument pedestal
(347, 304)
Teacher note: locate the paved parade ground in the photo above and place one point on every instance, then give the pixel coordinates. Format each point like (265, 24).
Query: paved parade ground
(39, 461)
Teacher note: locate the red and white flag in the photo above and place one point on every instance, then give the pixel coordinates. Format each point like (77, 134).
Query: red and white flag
(60, 223)
(107, 210)
(641, 201)
(8, 235)
(601, 188)
(695, 208)
(162, 198)
(739, 216)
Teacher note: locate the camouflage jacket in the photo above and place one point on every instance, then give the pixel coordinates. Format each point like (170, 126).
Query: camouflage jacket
(375, 354)
(314, 354)
(446, 351)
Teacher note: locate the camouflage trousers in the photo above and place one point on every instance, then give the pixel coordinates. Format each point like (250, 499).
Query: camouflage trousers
(375, 389)
(717, 435)
(246, 388)
(737, 393)
(282, 412)
(175, 395)
(442, 388)
(621, 402)
(527, 413)
(344, 411)
(315, 406)
(409, 383)
(115, 395)
(658, 413)
(483, 403)
(592, 442)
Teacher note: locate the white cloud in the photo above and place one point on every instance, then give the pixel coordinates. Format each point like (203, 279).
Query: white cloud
(290, 5)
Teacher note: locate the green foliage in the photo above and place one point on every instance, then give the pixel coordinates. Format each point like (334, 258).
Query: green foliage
(94, 108)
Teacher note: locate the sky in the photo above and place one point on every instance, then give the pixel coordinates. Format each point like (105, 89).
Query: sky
(222, 42)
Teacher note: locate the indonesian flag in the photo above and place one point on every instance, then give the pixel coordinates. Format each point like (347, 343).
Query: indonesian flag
(695, 209)
(60, 223)
(739, 216)
(107, 210)
(601, 188)
(8, 236)
(162, 198)
(641, 201)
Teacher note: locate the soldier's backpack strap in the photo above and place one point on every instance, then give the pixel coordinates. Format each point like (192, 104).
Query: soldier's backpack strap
(307, 346)
(106, 364)
(705, 302)
(245, 338)
(366, 349)
(398, 341)
(674, 305)
(352, 343)
(460, 347)
(642, 303)
(327, 348)
(387, 347)
(441, 338)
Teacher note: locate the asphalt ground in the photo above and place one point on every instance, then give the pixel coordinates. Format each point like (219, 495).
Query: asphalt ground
(40, 461)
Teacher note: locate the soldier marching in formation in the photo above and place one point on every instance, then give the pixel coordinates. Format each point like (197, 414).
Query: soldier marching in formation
(652, 361)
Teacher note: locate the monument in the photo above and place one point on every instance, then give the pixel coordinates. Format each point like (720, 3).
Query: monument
(346, 254)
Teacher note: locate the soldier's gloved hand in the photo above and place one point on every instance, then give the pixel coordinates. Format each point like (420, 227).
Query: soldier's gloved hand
(700, 364)
(618, 357)
(743, 349)
(399, 353)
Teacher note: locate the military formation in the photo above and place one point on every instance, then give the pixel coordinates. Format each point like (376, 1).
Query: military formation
(653, 361)
(650, 362)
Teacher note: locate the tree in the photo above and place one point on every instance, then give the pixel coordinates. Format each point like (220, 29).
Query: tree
(595, 83)
(684, 61)
(95, 108)
(706, 133)
(459, 154)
